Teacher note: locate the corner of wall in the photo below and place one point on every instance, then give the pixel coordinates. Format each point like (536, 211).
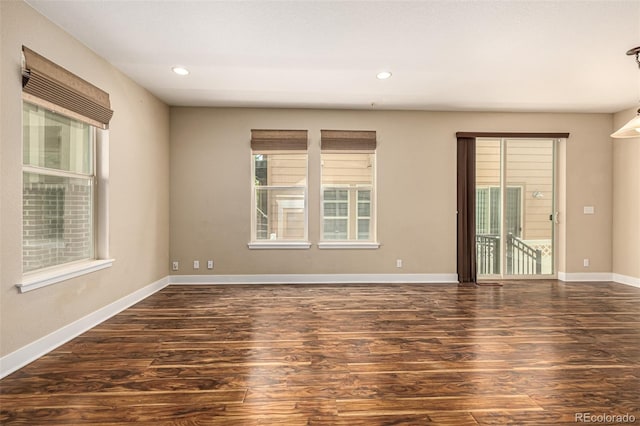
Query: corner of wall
(626, 202)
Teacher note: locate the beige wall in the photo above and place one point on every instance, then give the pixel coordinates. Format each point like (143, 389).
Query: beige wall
(210, 188)
(626, 200)
(138, 187)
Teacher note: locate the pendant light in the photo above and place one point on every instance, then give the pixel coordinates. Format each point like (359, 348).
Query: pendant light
(632, 128)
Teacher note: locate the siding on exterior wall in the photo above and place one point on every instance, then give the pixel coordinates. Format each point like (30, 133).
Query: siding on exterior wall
(286, 169)
(352, 169)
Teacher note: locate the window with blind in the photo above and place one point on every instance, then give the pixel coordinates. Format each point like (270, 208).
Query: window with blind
(348, 187)
(64, 203)
(58, 189)
(279, 189)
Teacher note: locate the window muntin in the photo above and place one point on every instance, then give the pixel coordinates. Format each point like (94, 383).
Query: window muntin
(279, 196)
(58, 189)
(348, 180)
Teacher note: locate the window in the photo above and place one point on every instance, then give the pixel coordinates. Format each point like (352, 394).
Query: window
(488, 211)
(336, 214)
(58, 189)
(280, 189)
(348, 188)
(65, 148)
(279, 164)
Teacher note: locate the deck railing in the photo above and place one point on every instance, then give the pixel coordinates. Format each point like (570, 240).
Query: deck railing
(521, 259)
(488, 254)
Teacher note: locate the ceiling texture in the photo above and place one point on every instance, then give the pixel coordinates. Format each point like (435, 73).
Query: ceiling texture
(445, 55)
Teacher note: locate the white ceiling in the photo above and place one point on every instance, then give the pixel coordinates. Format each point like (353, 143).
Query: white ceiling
(561, 55)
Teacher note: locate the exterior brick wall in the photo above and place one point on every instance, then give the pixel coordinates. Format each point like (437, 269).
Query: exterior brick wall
(57, 224)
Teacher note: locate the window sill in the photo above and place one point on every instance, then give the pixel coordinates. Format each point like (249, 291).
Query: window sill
(358, 245)
(38, 279)
(283, 245)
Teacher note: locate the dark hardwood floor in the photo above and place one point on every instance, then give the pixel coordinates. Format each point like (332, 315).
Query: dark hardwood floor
(534, 352)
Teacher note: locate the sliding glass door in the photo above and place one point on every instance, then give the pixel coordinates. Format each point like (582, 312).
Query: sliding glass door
(515, 207)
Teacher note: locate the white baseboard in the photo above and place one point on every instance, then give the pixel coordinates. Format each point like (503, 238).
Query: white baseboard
(23, 356)
(585, 276)
(625, 279)
(598, 276)
(315, 279)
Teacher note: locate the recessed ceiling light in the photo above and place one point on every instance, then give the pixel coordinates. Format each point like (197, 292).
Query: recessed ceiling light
(384, 75)
(180, 70)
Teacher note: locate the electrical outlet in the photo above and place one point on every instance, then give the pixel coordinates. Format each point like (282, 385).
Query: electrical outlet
(209, 264)
(175, 266)
(196, 264)
(585, 262)
(398, 263)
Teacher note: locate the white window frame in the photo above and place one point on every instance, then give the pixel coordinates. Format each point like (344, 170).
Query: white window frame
(279, 244)
(101, 259)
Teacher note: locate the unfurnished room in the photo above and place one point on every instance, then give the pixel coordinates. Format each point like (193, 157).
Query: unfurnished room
(319, 212)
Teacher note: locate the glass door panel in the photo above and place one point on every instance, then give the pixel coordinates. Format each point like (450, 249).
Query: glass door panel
(514, 207)
(488, 209)
(529, 206)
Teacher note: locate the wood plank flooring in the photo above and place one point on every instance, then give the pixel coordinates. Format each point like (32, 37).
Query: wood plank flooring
(533, 352)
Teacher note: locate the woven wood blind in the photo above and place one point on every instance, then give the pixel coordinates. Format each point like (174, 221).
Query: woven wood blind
(348, 140)
(278, 140)
(58, 87)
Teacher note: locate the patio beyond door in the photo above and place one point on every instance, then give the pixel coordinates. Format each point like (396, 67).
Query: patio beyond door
(515, 201)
